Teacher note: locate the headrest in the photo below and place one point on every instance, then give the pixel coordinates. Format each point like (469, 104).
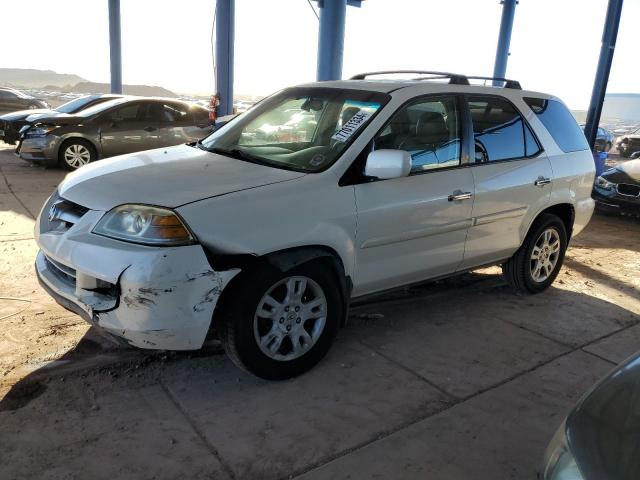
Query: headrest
(431, 125)
(347, 113)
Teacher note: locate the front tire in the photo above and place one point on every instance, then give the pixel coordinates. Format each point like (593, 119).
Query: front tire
(536, 264)
(278, 325)
(76, 153)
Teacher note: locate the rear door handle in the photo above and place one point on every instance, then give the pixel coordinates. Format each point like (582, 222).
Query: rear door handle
(459, 195)
(542, 181)
(150, 129)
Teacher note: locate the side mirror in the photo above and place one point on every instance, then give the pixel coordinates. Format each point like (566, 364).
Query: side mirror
(385, 164)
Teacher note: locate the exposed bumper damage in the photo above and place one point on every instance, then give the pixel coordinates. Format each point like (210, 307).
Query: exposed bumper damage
(153, 297)
(168, 305)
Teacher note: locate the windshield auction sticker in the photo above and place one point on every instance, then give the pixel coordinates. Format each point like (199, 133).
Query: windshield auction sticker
(351, 126)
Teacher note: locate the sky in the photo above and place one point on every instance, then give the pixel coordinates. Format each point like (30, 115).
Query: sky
(554, 47)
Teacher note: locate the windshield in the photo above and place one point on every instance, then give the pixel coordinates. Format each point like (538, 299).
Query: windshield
(100, 107)
(75, 105)
(303, 129)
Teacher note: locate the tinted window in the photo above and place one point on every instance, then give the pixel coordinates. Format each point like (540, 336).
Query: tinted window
(558, 120)
(127, 113)
(200, 115)
(172, 113)
(429, 130)
(500, 132)
(79, 104)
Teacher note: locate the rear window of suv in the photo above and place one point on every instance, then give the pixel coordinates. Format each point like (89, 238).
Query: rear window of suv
(558, 120)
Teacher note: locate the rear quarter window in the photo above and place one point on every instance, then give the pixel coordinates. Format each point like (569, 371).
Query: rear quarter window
(559, 122)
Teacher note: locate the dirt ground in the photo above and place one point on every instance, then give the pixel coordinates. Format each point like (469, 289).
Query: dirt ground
(455, 379)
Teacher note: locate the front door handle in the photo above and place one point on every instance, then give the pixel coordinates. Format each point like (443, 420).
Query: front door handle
(150, 129)
(542, 181)
(459, 195)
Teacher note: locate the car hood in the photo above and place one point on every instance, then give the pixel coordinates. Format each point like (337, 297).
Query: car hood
(57, 118)
(626, 172)
(603, 430)
(167, 177)
(22, 114)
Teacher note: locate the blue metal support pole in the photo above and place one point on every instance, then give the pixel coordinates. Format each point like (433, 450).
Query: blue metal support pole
(504, 39)
(609, 36)
(115, 46)
(333, 15)
(225, 25)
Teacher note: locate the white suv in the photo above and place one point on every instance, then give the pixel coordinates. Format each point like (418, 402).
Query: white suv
(318, 194)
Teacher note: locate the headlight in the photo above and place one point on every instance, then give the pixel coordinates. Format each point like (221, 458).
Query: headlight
(605, 184)
(559, 463)
(144, 225)
(35, 132)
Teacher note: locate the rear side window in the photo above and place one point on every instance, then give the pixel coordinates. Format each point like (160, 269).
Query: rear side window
(557, 119)
(500, 132)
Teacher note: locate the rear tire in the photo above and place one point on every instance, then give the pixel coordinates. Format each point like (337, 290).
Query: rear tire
(259, 335)
(536, 264)
(76, 153)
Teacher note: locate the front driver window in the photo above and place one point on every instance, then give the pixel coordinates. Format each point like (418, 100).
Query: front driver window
(429, 129)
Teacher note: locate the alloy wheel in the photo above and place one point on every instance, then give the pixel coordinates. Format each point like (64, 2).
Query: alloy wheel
(290, 318)
(77, 155)
(545, 254)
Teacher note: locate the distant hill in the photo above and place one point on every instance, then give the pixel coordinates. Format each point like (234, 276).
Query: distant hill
(51, 81)
(32, 78)
(142, 90)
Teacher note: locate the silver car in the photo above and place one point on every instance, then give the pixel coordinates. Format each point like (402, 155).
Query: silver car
(125, 125)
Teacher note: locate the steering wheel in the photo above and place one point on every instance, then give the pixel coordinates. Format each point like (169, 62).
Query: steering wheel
(481, 153)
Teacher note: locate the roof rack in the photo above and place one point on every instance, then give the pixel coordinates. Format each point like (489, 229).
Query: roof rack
(454, 78)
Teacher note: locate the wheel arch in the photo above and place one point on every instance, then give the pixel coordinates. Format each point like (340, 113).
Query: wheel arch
(565, 211)
(282, 260)
(75, 136)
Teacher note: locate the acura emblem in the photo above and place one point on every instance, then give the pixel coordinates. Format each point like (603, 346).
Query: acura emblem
(54, 211)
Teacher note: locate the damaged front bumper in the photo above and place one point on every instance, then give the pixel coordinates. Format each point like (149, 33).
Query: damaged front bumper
(152, 297)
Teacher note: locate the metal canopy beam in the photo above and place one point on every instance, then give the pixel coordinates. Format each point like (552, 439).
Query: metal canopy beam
(609, 36)
(331, 39)
(504, 40)
(115, 46)
(225, 26)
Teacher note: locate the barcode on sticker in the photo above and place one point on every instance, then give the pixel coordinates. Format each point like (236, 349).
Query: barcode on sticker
(351, 126)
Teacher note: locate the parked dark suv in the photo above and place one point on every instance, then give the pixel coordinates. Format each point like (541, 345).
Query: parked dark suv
(111, 128)
(12, 123)
(11, 100)
(604, 139)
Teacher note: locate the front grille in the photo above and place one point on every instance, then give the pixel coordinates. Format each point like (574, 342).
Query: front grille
(629, 190)
(64, 273)
(67, 212)
(60, 214)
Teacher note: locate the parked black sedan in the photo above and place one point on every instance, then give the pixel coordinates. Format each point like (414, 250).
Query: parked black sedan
(618, 189)
(629, 143)
(12, 99)
(600, 438)
(11, 123)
